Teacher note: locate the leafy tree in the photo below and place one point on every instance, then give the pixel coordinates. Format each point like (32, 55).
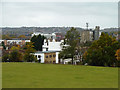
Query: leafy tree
(102, 52)
(15, 56)
(6, 37)
(4, 47)
(29, 49)
(5, 58)
(118, 56)
(38, 42)
(72, 41)
(15, 48)
(29, 57)
(22, 37)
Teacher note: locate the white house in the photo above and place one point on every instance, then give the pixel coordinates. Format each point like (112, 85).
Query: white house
(52, 45)
(50, 52)
(47, 56)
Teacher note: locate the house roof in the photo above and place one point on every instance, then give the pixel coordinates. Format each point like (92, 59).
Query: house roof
(46, 51)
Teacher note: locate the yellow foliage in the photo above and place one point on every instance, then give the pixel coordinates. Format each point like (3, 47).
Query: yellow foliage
(15, 48)
(85, 55)
(118, 54)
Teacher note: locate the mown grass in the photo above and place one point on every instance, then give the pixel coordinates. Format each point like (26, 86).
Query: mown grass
(35, 75)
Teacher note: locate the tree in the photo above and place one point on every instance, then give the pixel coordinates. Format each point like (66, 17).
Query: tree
(38, 42)
(29, 57)
(5, 58)
(13, 48)
(102, 51)
(16, 56)
(22, 37)
(72, 41)
(4, 47)
(29, 49)
(118, 56)
(6, 37)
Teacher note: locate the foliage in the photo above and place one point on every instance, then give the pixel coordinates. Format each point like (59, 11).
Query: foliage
(15, 48)
(29, 49)
(22, 37)
(5, 58)
(38, 42)
(102, 51)
(118, 56)
(16, 56)
(6, 37)
(4, 47)
(71, 40)
(87, 43)
(29, 57)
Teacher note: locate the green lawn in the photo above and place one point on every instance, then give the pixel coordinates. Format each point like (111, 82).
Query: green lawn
(35, 75)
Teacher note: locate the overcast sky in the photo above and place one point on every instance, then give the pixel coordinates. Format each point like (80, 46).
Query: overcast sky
(17, 14)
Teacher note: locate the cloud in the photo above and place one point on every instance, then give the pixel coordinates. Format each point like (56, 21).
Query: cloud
(60, 14)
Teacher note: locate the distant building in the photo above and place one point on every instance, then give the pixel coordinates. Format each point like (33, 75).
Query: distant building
(96, 33)
(56, 35)
(12, 42)
(59, 36)
(86, 35)
(48, 36)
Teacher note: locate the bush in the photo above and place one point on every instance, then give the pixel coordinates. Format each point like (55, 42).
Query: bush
(29, 58)
(16, 56)
(5, 58)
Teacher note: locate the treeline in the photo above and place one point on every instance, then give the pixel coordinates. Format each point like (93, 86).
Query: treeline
(102, 52)
(25, 53)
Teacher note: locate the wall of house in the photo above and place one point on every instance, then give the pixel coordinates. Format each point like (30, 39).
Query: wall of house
(40, 56)
(19, 42)
(57, 57)
(52, 45)
(50, 57)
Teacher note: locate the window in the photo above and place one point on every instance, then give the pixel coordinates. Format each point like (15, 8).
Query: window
(50, 56)
(39, 56)
(46, 49)
(53, 62)
(54, 55)
(46, 56)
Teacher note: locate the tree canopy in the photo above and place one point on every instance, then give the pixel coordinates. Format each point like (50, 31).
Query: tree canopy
(71, 40)
(102, 52)
(38, 42)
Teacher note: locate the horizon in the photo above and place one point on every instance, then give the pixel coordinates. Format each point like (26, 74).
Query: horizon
(55, 27)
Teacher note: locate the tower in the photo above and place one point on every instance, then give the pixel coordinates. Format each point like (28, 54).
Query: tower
(96, 33)
(87, 25)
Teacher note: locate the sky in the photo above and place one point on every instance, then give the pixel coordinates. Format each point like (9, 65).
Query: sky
(59, 14)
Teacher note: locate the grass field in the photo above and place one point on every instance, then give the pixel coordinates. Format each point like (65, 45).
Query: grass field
(35, 75)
